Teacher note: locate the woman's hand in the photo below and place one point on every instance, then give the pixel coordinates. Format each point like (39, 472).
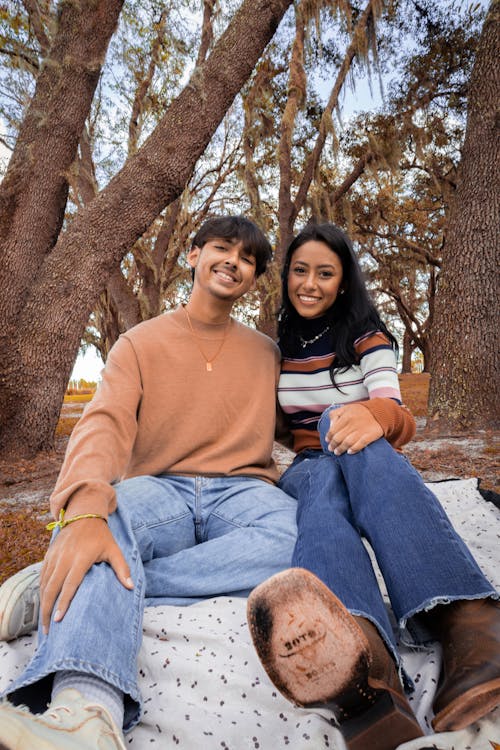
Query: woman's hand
(352, 428)
(73, 552)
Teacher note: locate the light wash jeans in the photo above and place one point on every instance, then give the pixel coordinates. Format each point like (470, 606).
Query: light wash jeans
(185, 539)
(377, 494)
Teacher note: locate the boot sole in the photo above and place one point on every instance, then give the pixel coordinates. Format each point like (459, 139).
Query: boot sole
(308, 643)
(468, 707)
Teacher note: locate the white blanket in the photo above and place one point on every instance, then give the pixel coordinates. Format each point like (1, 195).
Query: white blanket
(204, 688)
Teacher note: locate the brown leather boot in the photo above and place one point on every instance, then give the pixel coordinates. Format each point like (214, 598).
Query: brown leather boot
(315, 651)
(390, 721)
(469, 632)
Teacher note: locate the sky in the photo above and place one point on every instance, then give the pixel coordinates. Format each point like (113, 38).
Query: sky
(88, 366)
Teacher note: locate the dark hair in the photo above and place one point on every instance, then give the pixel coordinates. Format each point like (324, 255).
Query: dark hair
(240, 229)
(352, 314)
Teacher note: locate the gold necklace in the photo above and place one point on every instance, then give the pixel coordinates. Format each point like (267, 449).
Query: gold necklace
(208, 362)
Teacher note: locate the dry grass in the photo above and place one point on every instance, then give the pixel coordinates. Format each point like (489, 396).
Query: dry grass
(77, 398)
(415, 392)
(65, 426)
(24, 539)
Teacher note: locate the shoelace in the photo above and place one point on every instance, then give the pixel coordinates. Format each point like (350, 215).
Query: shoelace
(107, 730)
(54, 712)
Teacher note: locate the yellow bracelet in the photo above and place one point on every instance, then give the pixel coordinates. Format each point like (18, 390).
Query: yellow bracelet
(61, 523)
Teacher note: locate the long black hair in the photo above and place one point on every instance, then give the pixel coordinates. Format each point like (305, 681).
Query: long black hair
(352, 314)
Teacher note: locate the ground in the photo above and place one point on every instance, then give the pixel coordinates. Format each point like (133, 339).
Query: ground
(25, 485)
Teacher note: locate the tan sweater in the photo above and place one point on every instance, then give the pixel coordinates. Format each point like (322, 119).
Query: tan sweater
(158, 411)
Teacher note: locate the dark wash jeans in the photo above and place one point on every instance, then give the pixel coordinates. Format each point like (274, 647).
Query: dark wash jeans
(378, 495)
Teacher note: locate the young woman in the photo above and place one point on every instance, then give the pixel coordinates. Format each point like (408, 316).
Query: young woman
(340, 394)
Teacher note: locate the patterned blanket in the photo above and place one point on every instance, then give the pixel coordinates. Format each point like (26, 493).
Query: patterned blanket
(204, 687)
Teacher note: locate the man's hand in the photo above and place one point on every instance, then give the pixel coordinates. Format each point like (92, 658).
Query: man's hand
(75, 549)
(352, 428)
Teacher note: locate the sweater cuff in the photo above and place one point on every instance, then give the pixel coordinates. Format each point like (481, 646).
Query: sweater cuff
(84, 499)
(396, 420)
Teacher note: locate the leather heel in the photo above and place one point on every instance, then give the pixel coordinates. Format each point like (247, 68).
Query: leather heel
(383, 725)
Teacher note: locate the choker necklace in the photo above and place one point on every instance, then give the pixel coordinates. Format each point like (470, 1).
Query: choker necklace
(208, 362)
(305, 342)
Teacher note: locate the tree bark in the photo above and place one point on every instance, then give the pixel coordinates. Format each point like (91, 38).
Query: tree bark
(34, 191)
(465, 338)
(47, 332)
(407, 352)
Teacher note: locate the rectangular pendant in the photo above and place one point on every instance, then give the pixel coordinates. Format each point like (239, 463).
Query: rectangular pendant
(209, 367)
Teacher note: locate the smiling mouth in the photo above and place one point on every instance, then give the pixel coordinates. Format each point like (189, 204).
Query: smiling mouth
(308, 300)
(224, 276)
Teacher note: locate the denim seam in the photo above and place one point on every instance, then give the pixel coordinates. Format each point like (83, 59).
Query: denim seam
(155, 524)
(139, 593)
(307, 473)
(231, 521)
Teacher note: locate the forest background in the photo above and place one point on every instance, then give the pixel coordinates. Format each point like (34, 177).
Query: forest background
(125, 124)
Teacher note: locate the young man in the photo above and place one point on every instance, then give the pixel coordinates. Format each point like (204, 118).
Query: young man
(169, 497)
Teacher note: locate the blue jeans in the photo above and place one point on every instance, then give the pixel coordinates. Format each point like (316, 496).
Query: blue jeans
(378, 495)
(185, 539)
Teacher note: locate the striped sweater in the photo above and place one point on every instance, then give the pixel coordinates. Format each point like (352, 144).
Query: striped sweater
(305, 389)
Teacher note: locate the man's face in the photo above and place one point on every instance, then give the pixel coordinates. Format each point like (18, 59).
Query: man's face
(223, 268)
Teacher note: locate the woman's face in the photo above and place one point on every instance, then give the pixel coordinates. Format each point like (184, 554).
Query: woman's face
(314, 279)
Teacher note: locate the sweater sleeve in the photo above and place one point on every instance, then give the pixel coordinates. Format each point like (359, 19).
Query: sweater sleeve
(379, 371)
(101, 443)
(395, 419)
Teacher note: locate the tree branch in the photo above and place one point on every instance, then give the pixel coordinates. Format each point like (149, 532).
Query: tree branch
(207, 32)
(143, 87)
(296, 94)
(314, 155)
(33, 10)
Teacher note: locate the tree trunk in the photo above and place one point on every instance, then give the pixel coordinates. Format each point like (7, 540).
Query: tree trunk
(407, 352)
(465, 339)
(34, 191)
(46, 338)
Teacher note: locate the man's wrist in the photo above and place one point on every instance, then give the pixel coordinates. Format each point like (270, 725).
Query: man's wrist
(63, 521)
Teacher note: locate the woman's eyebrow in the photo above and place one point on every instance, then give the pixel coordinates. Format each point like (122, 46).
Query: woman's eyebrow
(323, 265)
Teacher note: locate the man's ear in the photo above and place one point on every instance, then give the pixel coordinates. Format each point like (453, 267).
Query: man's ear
(193, 255)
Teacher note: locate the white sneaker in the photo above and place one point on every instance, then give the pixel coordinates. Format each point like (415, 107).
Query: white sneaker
(20, 602)
(70, 723)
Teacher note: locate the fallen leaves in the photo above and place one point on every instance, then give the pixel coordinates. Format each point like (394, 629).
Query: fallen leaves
(23, 539)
